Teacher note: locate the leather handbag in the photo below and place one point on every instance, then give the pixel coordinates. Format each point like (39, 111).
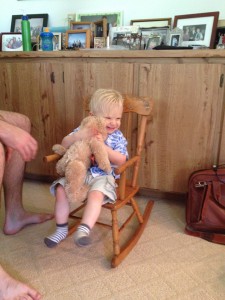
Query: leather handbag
(205, 205)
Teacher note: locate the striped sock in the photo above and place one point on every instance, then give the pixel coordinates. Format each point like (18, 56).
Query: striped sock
(59, 235)
(81, 236)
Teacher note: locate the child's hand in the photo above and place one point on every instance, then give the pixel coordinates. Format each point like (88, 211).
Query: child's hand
(99, 137)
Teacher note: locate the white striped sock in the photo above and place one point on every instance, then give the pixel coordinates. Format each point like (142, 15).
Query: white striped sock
(55, 238)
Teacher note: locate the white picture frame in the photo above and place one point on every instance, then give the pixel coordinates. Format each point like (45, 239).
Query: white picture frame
(57, 41)
(11, 41)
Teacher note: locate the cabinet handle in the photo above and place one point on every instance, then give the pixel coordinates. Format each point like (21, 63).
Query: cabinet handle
(52, 76)
(221, 80)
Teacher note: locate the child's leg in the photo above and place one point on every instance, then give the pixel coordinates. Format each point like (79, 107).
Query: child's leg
(91, 213)
(61, 216)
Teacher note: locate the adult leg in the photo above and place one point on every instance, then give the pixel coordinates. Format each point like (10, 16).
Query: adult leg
(15, 215)
(90, 216)
(9, 287)
(13, 289)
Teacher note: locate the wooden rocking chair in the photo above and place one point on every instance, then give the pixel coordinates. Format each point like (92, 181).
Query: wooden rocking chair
(137, 110)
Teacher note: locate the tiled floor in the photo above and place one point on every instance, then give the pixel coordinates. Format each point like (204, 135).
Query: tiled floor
(165, 264)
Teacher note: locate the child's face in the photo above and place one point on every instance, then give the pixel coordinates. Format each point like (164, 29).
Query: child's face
(112, 118)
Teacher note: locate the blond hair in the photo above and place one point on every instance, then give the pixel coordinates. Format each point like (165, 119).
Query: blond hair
(104, 100)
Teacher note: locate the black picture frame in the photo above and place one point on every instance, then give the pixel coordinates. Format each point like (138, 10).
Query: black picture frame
(37, 22)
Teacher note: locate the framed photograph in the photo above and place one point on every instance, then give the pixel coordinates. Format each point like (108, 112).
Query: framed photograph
(152, 42)
(81, 25)
(78, 39)
(113, 18)
(153, 27)
(37, 22)
(175, 37)
(57, 41)
(99, 42)
(162, 22)
(100, 28)
(220, 34)
(198, 29)
(11, 41)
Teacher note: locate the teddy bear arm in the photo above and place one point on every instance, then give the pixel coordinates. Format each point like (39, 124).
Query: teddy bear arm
(75, 177)
(101, 155)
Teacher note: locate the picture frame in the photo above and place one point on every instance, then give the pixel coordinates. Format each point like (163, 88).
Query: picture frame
(220, 31)
(198, 29)
(155, 31)
(11, 41)
(153, 41)
(100, 28)
(175, 37)
(99, 42)
(160, 22)
(78, 39)
(57, 41)
(81, 25)
(153, 27)
(37, 22)
(113, 18)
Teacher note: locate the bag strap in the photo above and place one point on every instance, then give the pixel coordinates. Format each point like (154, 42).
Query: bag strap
(218, 238)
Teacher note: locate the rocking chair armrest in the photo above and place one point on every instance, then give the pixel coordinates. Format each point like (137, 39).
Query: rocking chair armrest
(51, 157)
(126, 165)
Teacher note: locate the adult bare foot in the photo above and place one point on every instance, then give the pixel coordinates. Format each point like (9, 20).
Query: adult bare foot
(14, 223)
(11, 289)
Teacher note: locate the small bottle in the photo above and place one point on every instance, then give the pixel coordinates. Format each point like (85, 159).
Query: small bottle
(47, 40)
(26, 35)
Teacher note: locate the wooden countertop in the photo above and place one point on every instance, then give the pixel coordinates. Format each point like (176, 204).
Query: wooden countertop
(92, 53)
(208, 56)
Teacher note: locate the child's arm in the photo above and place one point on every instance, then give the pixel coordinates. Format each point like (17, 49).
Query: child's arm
(83, 133)
(115, 157)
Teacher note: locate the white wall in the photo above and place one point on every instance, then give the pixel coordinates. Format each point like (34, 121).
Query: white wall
(136, 9)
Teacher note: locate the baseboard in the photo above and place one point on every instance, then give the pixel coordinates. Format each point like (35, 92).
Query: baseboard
(157, 194)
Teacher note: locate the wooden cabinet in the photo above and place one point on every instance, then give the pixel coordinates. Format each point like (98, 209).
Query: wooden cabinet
(186, 124)
(51, 94)
(187, 88)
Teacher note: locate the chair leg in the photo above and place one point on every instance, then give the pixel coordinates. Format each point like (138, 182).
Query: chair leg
(125, 250)
(115, 233)
(137, 211)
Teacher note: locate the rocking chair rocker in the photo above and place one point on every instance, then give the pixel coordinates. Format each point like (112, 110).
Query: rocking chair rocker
(137, 109)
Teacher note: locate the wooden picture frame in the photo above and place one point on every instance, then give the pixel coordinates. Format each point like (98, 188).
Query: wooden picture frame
(100, 28)
(81, 25)
(99, 42)
(37, 22)
(11, 41)
(160, 22)
(78, 39)
(198, 29)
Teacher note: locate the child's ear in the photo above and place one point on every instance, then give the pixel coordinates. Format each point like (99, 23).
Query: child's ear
(91, 114)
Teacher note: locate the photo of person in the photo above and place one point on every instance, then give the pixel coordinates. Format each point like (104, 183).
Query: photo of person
(194, 32)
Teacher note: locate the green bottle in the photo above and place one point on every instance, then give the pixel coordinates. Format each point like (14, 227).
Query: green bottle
(26, 35)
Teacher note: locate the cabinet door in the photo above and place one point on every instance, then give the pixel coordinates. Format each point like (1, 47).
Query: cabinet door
(183, 135)
(36, 90)
(221, 150)
(83, 78)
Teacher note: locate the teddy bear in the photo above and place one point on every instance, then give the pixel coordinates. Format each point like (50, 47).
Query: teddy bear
(76, 159)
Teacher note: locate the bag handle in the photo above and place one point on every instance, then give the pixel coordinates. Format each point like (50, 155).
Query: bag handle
(218, 238)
